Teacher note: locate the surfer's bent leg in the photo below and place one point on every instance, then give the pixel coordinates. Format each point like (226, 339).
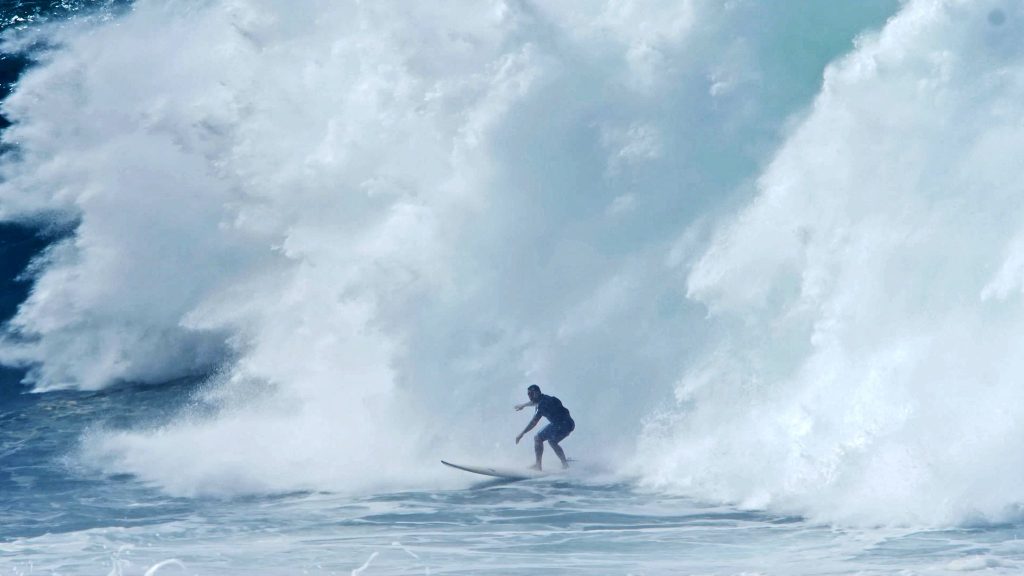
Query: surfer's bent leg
(538, 449)
(549, 433)
(557, 436)
(559, 453)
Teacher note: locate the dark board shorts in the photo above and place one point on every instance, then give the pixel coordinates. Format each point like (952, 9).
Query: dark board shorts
(556, 432)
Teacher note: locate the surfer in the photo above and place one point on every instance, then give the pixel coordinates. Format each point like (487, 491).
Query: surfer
(560, 424)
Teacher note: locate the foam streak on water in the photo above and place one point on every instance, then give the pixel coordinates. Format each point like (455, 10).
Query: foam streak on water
(569, 529)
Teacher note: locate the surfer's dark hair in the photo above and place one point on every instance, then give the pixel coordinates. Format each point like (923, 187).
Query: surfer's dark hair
(533, 387)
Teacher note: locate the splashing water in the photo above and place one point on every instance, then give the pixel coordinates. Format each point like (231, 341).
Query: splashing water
(369, 226)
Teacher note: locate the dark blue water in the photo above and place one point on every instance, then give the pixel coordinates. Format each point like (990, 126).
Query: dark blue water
(46, 490)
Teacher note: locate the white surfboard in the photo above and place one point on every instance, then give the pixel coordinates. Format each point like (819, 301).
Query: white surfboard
(507, 473)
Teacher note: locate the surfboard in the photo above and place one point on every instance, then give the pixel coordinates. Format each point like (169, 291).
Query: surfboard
(507, 473)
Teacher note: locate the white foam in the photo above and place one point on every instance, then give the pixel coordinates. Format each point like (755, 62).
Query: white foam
(972, 563)
(164, 563)
(377, 222)
(869, 296)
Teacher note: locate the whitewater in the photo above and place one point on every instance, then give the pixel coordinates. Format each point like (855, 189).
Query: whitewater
(266, 262)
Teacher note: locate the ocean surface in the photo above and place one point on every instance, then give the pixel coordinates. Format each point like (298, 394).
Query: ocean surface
(60, 517)
(265, 263)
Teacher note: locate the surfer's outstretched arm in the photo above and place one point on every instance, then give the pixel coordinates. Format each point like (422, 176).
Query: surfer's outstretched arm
(529, 427)
(524, 405)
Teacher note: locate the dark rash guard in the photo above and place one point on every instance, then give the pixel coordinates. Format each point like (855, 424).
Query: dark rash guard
(552, 409)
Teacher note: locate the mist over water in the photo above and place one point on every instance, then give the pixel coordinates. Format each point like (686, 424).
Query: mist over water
(767, 254)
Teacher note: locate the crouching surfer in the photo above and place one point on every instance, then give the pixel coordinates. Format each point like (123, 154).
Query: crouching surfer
(560, 424)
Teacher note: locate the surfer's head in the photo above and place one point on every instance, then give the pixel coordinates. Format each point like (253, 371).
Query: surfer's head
(533, 392)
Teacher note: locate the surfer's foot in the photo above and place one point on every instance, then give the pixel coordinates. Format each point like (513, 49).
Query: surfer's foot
(535, 467)
(565, 465)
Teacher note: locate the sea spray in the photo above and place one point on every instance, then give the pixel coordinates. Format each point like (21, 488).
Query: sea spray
(371, 226)
(867, 369)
